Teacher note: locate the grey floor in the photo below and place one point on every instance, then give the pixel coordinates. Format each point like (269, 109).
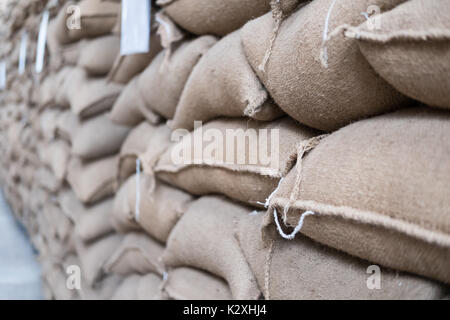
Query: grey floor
(19, 270)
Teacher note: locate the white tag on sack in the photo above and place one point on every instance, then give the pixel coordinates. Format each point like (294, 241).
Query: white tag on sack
(2, 75)
(135, 27)
(42, 39)
(23, 52)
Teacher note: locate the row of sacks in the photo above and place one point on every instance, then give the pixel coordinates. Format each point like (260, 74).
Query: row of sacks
(276, 64)
(375, 189)
(78, 149)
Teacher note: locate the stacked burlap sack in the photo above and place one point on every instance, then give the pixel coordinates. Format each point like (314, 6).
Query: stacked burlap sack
(103, 164)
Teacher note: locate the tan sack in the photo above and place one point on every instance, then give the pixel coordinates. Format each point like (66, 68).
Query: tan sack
(302, 269)
(137, 253)
(137, 287)
(222, 83)
(410, 49)
(98, 137)
(241, 159)
(193, 284)
(213, 16)
(160, 207)
(323, 84)
(97, 58)
(125, 67)
(96, 18)
(92, 181)
(90, 96)
(377, 189)
(145, 141)
(158, 88)
(95, 221)
(94, 255)
(67, 124)
(204, 239)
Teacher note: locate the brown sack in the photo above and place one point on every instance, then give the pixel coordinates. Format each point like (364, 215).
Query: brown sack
(92, 181)
(222, 83)
(136, 287)
(213, 16)
(377, 189)
(128, 66)
(250, 175)
(145, 141)
(137, 253)
(90, 96)
(324, 86)
(101, 290)
(47, 122)
(193, 284)
(56, 156)
(97, 58)
(98, 137)
(302, 269)
(159, 87)
(97, 18)
(95, 221)
(94, 255)
(46, 179)
(411, 49)
(67, 124)
(204, 239)
(160, 207)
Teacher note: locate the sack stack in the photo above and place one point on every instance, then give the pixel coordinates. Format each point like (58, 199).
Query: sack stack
(322, 155)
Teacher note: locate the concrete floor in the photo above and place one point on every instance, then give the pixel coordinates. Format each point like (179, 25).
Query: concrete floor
(19, 270)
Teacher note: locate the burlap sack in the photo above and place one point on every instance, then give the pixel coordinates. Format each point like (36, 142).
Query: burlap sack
(193, 284)
(46, 179)
(69, 204)
(222, 83)
(213, 16)
(410, 49)
(98, 137)
(137, 253)
(67, 124)
(95, 221)
(47, 91)
(159, 87)
(145, 141)
(92, 181)
(62, 54)
(303, 269)
(57, 224)
(323, 84)
(160, 207)
(55, 279)
(94, 255)
(136, 287)
(47, 123)
(377, 189)
(247, 175)
(97, 18)
(97, 58)
(204, 239)
(56, 156)
(127, 66)
(102, 289)
(90, 96)
(64, 80)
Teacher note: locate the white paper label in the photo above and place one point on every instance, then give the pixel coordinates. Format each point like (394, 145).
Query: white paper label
(23, 52)
(135, 32)
(42, 39)
(2, 75)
